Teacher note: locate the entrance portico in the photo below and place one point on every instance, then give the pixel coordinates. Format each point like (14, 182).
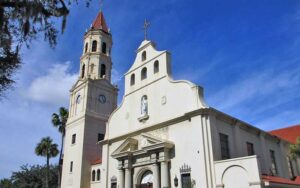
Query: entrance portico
(143, 164)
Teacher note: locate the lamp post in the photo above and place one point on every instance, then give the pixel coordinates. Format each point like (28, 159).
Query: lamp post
(176, 181)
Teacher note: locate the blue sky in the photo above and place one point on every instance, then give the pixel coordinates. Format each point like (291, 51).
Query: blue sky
(246, 55)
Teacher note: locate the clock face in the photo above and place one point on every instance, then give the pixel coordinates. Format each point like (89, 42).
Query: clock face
(102, 99)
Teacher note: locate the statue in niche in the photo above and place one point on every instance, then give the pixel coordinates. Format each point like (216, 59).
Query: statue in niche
(144, 106)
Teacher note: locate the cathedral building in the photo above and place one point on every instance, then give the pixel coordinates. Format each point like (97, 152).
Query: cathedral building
(163, 134)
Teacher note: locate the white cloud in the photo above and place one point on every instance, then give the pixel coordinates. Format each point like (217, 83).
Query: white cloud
(280, 120)
(260, 84)
(53, 88)
(115, 76)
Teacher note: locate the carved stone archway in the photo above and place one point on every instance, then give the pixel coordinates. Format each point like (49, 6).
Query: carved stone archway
(139, 155)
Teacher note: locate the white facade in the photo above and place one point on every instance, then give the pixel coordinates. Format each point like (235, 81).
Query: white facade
(163, 134)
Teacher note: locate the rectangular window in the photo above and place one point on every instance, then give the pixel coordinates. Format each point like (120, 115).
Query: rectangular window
(73, 138)
(100, 137)
(186, 180)
(113, 185)
(71, 166)
(250, 149)
(225, 153)
(273, 163)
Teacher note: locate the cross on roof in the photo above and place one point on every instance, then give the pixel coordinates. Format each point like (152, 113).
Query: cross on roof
(101, 4)
(145, 27)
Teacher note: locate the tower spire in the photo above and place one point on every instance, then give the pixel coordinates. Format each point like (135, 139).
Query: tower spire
(100, 23)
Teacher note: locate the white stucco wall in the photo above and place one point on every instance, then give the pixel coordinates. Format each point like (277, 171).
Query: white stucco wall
(238, 173)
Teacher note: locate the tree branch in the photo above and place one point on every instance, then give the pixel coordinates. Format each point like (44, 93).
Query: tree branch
(57, 12)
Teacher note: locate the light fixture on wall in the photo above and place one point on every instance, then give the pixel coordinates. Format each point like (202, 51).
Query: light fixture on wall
(176, 181)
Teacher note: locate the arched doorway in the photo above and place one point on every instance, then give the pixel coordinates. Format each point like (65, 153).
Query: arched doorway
(146, 180)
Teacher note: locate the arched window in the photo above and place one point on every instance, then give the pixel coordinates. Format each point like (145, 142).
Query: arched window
(104, 47)
(103, 71)
(144, 56)
(144, 105)
(156, 67)
(94, 46)
(82, 71)
(98, 175)
(93, 175)
(132, 79)
(144, 73)
(86, 47)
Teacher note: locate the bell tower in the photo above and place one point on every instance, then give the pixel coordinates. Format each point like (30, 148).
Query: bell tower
(95, 62)
(92, 99)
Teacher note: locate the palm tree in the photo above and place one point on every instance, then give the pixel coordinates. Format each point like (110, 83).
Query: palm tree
(47, 149)
(59, 121)
(295, 149)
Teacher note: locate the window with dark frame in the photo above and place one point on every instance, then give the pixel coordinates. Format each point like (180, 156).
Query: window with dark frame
(225, 152)
(103, 47)
(144, 73)
(156, 67)
(132, 79)
(250, 148)
(100, 137)
(82, 71)
(103, 71)
(73, 138)
(273, 163)
(93, 175)
(98, 175)
(144, 56)
(186, 181)
(94, 46)
(86, 47)
(71, 166)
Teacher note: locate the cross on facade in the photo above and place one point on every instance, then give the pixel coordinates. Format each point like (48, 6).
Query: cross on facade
(145, 27)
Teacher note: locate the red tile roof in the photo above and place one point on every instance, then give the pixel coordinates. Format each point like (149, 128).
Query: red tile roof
(289, 133)
(99, 23)
(97, 161)
(280, 180)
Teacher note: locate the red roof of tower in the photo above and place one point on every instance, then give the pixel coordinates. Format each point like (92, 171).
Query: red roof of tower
(289, 133)
(99, 23)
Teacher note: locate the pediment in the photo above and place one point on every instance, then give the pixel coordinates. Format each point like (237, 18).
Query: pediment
(77, 83)
(148, 139)
(144, 144)
(129, 145)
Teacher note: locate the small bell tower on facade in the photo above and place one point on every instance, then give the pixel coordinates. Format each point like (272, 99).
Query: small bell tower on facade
(92, 99)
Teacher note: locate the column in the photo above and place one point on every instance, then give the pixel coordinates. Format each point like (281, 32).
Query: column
(128, 178)
(164, 174)
(121, 178)
(155, 172)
